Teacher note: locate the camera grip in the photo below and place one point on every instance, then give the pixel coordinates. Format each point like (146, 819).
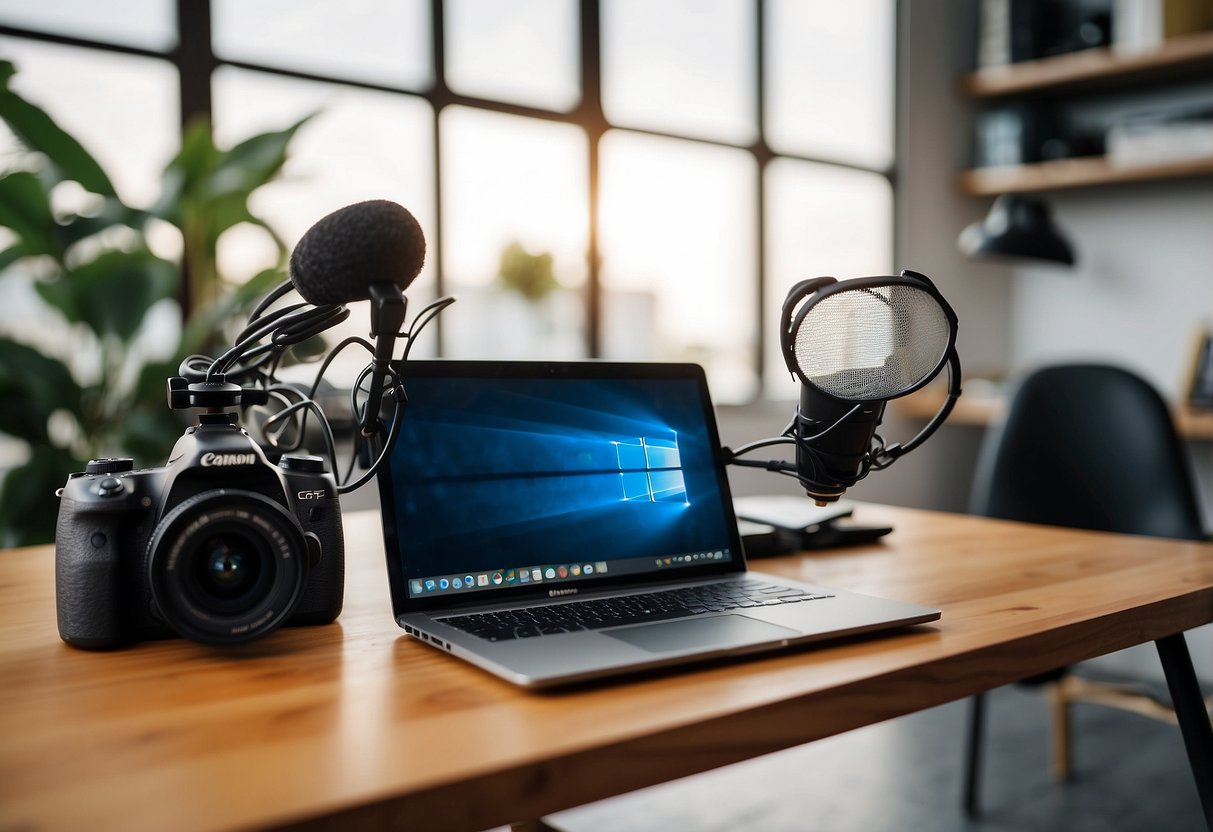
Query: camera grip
(325, 593)
(87, 577)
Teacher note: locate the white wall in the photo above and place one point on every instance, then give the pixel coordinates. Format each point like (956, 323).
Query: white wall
(1143, 284)
(1144, 280)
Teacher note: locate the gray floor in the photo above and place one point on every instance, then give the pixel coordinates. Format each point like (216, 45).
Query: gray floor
(1131, 775)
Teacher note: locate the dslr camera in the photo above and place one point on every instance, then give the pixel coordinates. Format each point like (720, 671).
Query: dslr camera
(220, 545)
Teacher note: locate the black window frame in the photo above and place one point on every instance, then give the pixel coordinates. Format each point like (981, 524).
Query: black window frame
(195, 60)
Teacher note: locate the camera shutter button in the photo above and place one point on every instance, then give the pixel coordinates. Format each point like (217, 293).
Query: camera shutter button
(109, 487)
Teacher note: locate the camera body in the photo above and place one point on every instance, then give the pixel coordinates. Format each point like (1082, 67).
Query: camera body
(219, 545)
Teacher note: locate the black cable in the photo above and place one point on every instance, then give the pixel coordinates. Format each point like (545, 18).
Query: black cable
(285, 328)
(424, 317)
(393, 432)
(273, 296)
(304, 404)
(805, 453)
(289, 326)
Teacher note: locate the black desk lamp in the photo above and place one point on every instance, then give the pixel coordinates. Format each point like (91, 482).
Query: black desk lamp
(1017, 226)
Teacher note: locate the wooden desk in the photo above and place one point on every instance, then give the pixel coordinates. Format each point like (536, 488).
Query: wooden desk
(356, 725)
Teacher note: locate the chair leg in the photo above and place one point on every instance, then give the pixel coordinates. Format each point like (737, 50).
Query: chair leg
(1059, 707)
(976, 734)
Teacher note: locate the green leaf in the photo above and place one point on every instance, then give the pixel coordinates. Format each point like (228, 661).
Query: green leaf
(32, 387)
(112, 213)
(182, 177)
(7, 71)
(253, 162)
(208, 188)
(149, 432)
(151, 387)
(38, 131)
(222, 213)
(28, 505)
(15, 252)
(203, 323)
(25, 209)
(112, 293)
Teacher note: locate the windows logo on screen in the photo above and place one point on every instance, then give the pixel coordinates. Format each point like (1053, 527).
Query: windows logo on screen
(650, 469)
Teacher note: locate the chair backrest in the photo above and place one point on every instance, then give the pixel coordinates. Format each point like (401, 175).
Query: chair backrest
(1088, 446)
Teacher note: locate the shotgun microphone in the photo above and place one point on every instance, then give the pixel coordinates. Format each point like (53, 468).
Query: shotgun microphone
(366, 251)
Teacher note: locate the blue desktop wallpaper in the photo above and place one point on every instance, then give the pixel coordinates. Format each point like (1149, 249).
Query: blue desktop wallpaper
(510, 472)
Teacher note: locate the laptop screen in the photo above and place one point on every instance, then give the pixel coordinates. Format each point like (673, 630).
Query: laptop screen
(528, 477)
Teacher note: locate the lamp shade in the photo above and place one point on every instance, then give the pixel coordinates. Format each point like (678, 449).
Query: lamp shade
(1019, 227)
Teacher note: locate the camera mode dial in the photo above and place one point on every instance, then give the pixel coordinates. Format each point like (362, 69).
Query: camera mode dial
(114, 465)
(303, 463)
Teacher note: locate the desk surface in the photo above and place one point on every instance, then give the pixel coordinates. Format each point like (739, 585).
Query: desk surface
(356, 722)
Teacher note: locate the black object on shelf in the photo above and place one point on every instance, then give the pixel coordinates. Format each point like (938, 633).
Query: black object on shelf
(1017, 227)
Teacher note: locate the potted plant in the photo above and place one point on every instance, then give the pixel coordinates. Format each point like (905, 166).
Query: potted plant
(90, 263)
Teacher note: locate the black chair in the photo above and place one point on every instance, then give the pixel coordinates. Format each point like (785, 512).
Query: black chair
(1092, 447)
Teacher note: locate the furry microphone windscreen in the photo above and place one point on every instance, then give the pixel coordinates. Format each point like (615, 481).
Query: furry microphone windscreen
(340, 256)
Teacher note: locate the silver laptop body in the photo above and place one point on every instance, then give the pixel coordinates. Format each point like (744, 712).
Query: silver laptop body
(515, 489)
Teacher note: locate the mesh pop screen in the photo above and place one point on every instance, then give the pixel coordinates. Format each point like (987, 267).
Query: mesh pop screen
(872, 343)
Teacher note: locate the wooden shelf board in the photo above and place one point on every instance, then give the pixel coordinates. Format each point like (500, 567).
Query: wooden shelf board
(1194, 424)
(1093, 67)
(1074, 173)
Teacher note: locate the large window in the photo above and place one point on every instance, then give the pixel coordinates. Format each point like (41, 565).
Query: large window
(622, 179)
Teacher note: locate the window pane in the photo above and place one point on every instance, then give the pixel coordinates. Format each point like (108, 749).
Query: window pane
(830, 80)
(515, 192)
(151, 24)
(821, 221)
(123, 109)
(680, 66)
(361, 145)
(678, 256)
(523, 51)
(381, 41)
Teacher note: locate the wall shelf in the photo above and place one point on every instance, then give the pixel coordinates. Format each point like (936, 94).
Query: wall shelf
(1074, 173)
(1177, 58)
(1180, 59)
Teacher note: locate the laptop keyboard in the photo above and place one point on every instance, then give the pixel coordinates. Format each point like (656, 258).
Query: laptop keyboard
(598, 613)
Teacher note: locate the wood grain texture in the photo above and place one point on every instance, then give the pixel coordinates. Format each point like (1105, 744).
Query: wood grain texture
(1078, 172)
(357, 724)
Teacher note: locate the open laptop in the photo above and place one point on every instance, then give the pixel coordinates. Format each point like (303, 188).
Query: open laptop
(557, 522)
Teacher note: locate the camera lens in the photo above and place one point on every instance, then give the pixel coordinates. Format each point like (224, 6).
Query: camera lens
(227, 566)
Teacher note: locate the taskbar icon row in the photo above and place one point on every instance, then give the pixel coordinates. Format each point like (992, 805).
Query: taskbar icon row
(693, 558)
(504, 577)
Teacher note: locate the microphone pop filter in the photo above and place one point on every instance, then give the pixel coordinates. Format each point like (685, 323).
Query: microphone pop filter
(871, 339)
(340, 256)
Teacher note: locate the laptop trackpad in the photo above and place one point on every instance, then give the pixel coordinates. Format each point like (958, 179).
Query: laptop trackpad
(719, 631)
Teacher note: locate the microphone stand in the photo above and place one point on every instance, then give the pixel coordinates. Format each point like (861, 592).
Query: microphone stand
(388, 310)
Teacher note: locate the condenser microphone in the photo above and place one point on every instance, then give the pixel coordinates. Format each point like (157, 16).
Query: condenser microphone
(854, 345)
(366, 251)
